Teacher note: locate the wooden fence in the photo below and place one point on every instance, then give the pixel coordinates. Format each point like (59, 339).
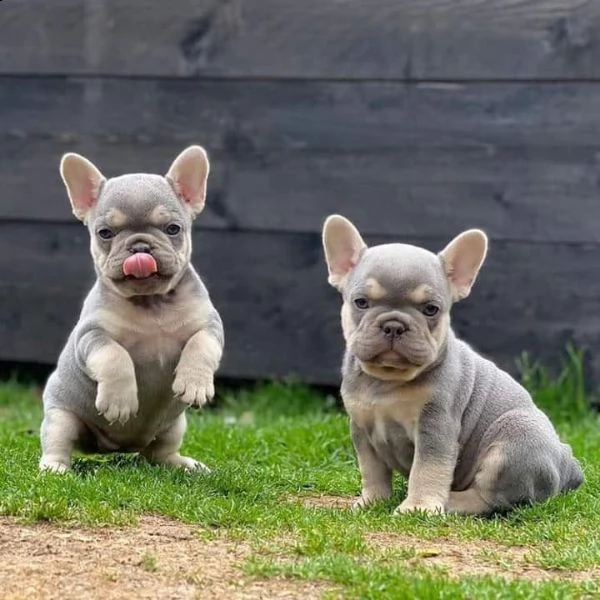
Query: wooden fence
(415, 118)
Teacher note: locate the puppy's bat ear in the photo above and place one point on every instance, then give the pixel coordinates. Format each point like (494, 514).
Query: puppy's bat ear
(343, 248)
(462, 258)
(83, 181)
(188, 175)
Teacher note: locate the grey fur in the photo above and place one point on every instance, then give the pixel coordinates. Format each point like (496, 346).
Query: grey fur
(422, 402)
(144, 349)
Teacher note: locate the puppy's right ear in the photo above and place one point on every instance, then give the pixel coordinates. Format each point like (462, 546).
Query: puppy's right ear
(83, 181)
(343, 248)
(188, 175)
(462, 258)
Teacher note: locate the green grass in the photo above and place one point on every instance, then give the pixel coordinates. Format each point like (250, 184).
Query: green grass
(272, 447)
(148, 563)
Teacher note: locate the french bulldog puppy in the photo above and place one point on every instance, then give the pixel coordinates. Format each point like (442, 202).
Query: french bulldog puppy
(148, 340)
(422, 402)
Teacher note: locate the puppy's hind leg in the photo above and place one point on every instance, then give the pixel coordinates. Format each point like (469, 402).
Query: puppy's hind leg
(164, 450)
(511, 473)
(59, 434)
(483, 496)
(467, 502)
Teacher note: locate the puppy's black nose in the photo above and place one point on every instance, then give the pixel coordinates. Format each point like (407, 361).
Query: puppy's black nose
(393, 328)
(140, 247)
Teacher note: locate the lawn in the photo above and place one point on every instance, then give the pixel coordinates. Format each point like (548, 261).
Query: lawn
(274, 511)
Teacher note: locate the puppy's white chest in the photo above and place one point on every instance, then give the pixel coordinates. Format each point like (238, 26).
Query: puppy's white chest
(403, 412)
(154, 347)
(149, 336)
(383, 414)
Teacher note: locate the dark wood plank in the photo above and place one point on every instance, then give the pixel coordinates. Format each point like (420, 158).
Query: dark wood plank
(397, 39)
(522, 161)
(281, 317)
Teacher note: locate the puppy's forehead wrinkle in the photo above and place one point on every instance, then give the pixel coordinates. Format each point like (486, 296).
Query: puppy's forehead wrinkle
(399, 269)
(138, 195)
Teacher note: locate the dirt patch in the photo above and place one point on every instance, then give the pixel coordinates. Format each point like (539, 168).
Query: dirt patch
(473, 558)
(343, 502)
(159, 558)
(458, 557)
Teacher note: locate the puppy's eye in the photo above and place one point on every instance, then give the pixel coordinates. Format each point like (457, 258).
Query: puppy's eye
(105, 233)
(361, 303)
(430, 310)
(173, 229)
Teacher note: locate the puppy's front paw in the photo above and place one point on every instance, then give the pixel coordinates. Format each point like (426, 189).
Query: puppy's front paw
(368, 497)
(431, 507)
(117, 402)
(360, 503)
(177, 460)
(194, 387)
(54, 465)
(190, 464)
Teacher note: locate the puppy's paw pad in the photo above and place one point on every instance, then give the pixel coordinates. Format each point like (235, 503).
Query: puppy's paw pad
(117, 403)
(54, 466)
(194, 389)
(430, 508)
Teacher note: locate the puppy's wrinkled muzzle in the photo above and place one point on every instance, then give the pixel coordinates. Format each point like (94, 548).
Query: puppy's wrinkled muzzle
(392, 359)
(140, 265)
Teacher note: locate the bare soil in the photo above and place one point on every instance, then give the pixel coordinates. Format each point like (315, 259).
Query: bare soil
(459, 557)
(159, 558)
(162, 558)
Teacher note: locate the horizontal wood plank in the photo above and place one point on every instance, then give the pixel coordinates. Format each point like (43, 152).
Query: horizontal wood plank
(281, 317)
(379, 39)
(521, 161)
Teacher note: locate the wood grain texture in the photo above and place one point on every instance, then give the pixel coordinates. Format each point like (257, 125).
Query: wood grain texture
(282, 319)
(379, 39)
(521, 161)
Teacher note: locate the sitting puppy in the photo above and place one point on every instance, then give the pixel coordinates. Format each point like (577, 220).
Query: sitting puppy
(421, 401)
(148, 340)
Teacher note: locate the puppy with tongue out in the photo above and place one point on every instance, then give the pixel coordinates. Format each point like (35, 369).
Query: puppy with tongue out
(140, 266)
(148, 340)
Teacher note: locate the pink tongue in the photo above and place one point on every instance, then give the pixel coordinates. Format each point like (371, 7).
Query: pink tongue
(140, 265)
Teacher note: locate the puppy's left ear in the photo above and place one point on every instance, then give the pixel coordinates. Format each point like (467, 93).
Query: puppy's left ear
(462, 258)
(343, 248)
(83, 181)
(188, 175)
